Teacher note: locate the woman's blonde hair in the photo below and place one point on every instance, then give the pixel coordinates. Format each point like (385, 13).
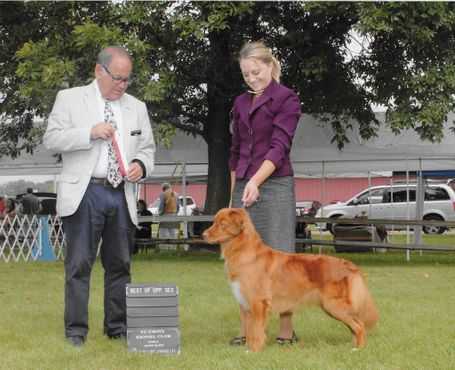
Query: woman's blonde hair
(258, 50)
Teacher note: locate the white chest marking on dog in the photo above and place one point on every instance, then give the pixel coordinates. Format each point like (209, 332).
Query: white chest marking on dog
(235, 286)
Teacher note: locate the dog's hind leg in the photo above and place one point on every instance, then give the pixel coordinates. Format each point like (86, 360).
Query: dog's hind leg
(257, 320)
(339, 309)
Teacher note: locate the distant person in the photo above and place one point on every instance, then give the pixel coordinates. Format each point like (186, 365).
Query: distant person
(10, 209)
(2, 205)
(9, 214)
(30, 203)
(168, 206)
(145, 228)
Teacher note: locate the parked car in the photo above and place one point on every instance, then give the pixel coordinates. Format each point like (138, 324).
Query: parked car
(47, 200)
(396, 202)
(190, 206)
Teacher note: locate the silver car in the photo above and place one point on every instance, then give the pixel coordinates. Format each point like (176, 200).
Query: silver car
(396, 202)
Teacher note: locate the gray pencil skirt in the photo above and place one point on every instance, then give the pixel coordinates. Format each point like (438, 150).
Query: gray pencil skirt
(273, 214)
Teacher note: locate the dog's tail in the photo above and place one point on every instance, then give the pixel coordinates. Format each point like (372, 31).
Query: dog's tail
(363, 302)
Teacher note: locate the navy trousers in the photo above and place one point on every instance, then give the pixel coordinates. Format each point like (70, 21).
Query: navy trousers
(102, 215)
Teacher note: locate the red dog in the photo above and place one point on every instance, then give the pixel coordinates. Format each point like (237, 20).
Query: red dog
(264, 280)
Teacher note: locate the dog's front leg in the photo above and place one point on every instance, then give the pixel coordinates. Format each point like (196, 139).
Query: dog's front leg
(243, 321)
(256, 322)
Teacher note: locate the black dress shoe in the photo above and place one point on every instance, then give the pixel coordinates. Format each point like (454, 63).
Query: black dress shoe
(76, 341)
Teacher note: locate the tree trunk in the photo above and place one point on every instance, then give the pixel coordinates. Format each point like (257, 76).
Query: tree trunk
(218, 182)
(217, 134)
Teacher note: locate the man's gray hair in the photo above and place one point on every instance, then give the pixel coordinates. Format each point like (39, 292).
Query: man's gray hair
(105, 56)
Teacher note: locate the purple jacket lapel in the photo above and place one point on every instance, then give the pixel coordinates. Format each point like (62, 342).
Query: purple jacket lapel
(244, 105)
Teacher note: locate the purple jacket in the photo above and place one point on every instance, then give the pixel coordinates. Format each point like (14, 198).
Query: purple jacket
(264, 131)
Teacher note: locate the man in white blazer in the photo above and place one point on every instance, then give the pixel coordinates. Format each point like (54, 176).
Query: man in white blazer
(90, 206)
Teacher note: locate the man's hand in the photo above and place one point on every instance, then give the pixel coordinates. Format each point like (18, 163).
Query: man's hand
(134, 172)
(102, 130)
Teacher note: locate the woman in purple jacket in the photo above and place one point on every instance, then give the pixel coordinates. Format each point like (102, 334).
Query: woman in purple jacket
(263, 125)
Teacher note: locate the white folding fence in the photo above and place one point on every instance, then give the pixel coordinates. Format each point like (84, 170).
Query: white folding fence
(23, 237)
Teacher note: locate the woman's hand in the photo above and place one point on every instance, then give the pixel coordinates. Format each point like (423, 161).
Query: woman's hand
(250, 193)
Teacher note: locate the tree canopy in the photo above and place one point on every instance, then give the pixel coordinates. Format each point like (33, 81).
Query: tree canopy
(187, 72)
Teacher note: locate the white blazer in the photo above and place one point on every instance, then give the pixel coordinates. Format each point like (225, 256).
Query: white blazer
(74, 114)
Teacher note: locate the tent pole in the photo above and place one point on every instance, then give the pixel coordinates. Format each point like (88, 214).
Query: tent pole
(322, 198)
(408, 240)
(185, 223)
(420, 196)
(369, 194)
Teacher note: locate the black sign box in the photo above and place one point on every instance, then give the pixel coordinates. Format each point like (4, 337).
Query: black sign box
(152, 318)
(141, 311)
(152, 302)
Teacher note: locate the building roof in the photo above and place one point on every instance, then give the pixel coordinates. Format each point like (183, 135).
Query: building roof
(312, 154)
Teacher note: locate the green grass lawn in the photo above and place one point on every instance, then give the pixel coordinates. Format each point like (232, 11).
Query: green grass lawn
(416, 301)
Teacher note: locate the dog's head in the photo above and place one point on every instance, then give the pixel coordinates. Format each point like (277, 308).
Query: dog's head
(227, 225)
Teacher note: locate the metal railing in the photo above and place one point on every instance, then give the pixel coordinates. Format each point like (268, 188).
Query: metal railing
(319, 220)
(23, 237)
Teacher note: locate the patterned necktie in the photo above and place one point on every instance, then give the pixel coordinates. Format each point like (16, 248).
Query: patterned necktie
(113, 170)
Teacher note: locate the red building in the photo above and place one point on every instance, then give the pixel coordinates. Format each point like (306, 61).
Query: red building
(326, 190)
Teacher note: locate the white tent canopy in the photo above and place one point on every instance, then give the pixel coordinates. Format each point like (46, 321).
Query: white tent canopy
(313, 154)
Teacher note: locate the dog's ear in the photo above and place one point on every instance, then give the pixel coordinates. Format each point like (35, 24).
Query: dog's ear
(236, 220)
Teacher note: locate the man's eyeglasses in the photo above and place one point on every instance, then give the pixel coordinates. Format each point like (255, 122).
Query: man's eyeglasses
(117, 79)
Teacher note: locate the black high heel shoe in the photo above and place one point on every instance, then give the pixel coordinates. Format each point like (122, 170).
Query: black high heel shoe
(238, 341)
(284, 341)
